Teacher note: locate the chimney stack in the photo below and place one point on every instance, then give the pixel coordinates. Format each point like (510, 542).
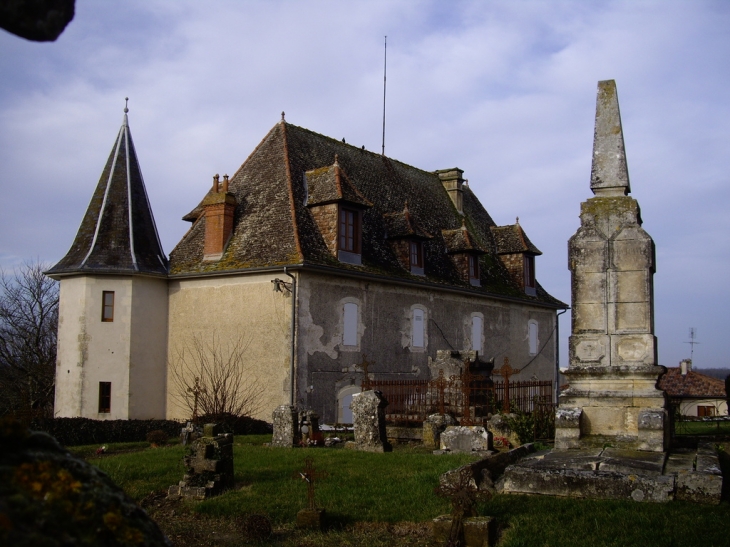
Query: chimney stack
(686, 366)
(453, 182)
(219, 207)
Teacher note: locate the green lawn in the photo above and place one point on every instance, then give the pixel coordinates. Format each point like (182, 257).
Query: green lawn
(398, 486)
(702, 428)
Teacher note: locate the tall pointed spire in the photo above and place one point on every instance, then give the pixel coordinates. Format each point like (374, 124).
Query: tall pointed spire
(118, 233)
(609, 172)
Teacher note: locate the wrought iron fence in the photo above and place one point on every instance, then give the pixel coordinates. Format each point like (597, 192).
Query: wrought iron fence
(470, 398)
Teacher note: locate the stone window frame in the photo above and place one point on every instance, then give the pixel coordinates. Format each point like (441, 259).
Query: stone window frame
(533, 336)
(472, 330)
(107, 306)
(345, 333)
(105, 397)
(412, 317)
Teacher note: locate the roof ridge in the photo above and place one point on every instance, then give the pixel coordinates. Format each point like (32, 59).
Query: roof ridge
(290, 189)
(362, 150)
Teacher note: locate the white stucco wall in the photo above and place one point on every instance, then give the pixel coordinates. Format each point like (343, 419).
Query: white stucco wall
(91, 351)
(148, 349)
(688, 407)
(229, 308)
(129, 351)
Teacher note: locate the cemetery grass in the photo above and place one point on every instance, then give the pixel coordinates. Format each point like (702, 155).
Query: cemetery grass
(388, 500)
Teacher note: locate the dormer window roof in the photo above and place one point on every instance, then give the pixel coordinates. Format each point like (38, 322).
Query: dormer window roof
(518, 254)
(406, 237)
(331, 185)
(337, 206)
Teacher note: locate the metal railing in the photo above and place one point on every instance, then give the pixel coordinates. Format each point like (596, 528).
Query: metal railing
(470, 398)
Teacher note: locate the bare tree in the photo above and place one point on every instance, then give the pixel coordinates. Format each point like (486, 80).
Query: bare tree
(210, 377)
(28, 331)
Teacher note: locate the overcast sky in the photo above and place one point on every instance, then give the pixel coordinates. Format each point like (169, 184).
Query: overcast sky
(504, 90)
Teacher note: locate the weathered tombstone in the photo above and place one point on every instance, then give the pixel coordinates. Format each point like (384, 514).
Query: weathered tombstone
(209, 466)
(286, 427)
(368, 416)
(433, 427)
(451, 362)
(466, 439)
(613, 372)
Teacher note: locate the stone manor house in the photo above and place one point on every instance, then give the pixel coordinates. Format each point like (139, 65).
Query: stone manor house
(316, 253)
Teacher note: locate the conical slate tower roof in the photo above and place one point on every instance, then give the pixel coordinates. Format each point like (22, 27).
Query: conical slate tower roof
(118, 232)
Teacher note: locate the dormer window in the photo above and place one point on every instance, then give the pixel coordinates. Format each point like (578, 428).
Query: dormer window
(349, 235)
(337, 206)
(529, 269)
(416, 257)
(474, 271)
(517, 253)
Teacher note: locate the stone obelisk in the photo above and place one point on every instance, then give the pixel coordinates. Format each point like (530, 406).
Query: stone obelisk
(612, 398)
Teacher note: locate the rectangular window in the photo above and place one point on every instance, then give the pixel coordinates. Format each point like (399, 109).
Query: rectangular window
(532, 336)
(417, 336)
(416, 254)
(349, 320)
(703, 411)
(473, 267)
(529, 271)
(476, 333)
(107, 309)
(349, 231)
(105, 397)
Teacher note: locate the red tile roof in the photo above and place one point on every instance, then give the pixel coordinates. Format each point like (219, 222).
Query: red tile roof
(691, 385)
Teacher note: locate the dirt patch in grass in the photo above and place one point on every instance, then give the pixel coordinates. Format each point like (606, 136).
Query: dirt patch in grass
(186, 528)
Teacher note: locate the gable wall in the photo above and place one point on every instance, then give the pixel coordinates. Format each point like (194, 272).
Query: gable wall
(219, 311)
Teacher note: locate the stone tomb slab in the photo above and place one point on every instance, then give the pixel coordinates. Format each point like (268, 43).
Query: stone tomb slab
(632, 461)
(612, 473)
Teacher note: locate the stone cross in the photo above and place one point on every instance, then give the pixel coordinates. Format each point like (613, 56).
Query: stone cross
(196, 390)
(462, 491)
(505, 372)
(310, 475)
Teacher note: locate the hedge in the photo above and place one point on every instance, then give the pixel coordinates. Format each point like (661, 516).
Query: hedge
(81, 431)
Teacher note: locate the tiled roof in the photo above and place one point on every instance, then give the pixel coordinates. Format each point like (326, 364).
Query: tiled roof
(402, 225)
(273, 226)
(331, 184)
(118, 232)
(512, 239)
(693, 384)
(461, 241)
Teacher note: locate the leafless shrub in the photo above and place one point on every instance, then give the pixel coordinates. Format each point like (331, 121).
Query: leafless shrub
(212, 377)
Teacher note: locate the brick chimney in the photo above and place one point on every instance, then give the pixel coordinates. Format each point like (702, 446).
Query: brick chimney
(219, 206)
(453, 181)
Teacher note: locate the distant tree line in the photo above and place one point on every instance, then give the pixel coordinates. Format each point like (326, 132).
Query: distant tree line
(28, 331)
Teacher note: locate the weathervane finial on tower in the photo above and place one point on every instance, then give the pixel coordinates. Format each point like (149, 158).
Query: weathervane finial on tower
(126, 101)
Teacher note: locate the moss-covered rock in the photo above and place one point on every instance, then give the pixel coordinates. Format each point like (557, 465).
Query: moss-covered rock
(50, 498)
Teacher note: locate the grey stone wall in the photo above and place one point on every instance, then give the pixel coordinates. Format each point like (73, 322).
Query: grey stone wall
(325, 365)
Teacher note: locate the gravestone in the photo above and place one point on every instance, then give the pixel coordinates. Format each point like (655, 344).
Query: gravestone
(368, 417)
(461, 439)
(286, 427)
(433, 427)
(208, 466)
(613, 371)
